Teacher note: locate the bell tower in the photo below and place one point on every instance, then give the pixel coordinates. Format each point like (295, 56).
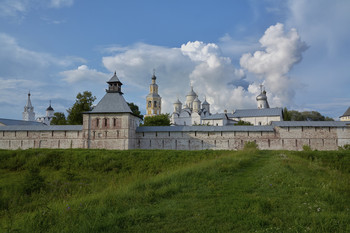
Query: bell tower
(153, 100)
(28, 113)
(262, 99)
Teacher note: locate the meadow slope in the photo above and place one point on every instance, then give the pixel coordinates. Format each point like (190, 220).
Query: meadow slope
(174, 191)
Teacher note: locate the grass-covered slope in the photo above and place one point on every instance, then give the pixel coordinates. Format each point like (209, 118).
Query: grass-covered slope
(174, 191)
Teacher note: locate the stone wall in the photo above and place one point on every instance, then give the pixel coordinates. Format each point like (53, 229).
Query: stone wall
(281, 138)
(41, 139)
(125, 135)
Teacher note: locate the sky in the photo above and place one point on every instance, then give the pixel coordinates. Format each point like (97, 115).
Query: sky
(299, 50)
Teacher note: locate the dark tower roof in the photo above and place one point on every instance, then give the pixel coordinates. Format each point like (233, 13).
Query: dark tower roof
(113, 101)
(346, 113)
(114, 85)
(114, 78)
(49, 108)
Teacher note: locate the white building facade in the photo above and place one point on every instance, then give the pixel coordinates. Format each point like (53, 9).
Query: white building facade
(196, 113)
(49, 115)
(192, 112)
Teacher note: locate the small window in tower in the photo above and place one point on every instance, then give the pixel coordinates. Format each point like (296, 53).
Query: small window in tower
(105, 122)
(149, 104)
(114, 122)
(155, 104)
(97, 122)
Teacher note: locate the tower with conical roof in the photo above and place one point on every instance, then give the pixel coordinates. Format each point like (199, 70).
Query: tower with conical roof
(111, 123)
(28, 113)
(153, 99)
(262, 99)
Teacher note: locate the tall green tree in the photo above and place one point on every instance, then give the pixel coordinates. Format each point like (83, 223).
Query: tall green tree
(158, 120)
(82, 104)
(59, 119)
(135, 109)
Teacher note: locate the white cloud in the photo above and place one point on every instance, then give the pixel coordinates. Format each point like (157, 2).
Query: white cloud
(18, 9)
(282, 51)
(322, 22)
(22, 69)
(13, 8)
(202, 64)
(61, 3)
(212, 75)
(16, 60)
(235, 48)
(83, 73)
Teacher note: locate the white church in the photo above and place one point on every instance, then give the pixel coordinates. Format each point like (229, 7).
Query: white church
(194, 112)
(29, 114)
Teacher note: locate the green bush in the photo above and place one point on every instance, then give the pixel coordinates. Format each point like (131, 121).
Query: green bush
(306, 148)
(345, 147)
(251, 145)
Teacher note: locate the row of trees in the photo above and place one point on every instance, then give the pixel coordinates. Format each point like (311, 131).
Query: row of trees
(292, 115)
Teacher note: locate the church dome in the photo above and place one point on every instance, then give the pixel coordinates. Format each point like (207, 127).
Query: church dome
(177, 101)
(49, 108)
(205, 102)
(262, 96)
(191, 92)
(196, 100)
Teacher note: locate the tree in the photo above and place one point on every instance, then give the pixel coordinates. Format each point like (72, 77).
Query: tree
(157, 120)
(135, 109)
(286, 115)
(82, 104)
(293, 115)
(59, 119)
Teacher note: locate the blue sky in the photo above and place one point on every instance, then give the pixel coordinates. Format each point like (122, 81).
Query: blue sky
(298, 49)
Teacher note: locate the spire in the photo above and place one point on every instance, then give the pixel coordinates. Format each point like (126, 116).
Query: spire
(28, 113)
(154, 77)
(29, 103)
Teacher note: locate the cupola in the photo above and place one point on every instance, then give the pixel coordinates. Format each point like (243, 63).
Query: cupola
(114, 85)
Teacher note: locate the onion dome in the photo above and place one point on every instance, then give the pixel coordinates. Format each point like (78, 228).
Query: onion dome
(205, 102)
(177, 101)
(262, 96)
(196, 100)
(49, 108)
(191, 92)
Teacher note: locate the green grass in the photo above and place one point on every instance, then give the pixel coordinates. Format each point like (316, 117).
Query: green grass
(174, 191)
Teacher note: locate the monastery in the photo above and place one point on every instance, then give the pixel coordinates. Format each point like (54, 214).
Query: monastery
(112, 125)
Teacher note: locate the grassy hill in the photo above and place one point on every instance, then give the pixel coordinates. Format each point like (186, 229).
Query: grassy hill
(174, 191)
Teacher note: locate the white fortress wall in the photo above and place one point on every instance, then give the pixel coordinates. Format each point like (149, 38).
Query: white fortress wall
(25, 137)
(126, 135)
